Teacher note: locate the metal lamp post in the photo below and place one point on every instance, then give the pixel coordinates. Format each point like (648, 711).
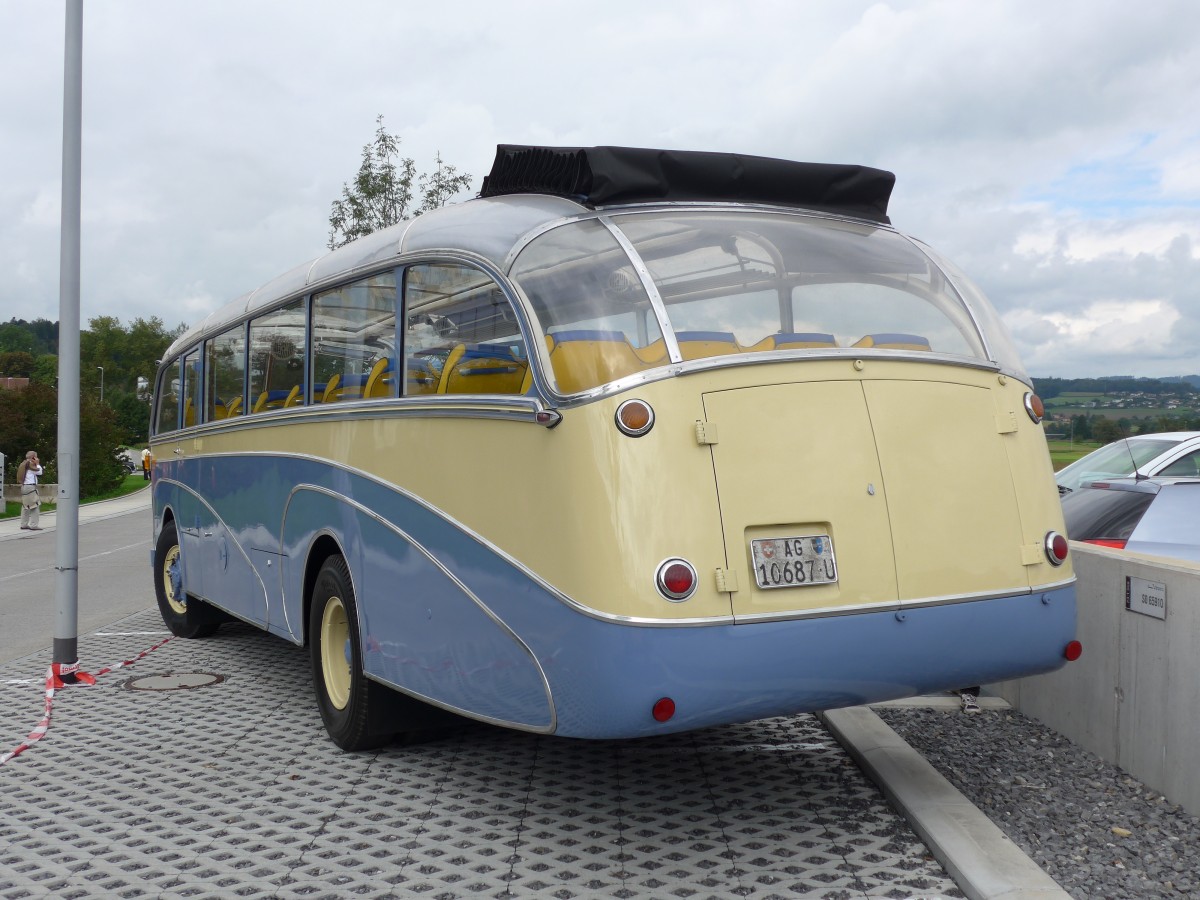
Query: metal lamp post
(101, 368)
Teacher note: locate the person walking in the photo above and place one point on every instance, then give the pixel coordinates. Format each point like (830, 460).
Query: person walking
(28, 474)
(146, 460)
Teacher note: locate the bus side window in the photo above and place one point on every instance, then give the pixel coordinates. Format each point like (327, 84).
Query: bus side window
(353, 341)
(191, 388)
(167, 400)
(461, 334)
(225, 367)
(277, 357)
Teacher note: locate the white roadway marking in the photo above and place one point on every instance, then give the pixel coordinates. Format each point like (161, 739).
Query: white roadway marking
(127, 633)
(81, 559)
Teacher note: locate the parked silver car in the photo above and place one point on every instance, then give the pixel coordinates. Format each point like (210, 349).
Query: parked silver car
(1171, 453)
(1148, 515)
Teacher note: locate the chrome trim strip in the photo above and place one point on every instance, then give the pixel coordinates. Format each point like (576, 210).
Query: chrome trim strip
(648, 285)
(898, 605)
(514, 407)
(420, 548)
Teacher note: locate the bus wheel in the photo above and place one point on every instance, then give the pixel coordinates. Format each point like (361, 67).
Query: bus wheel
(344, 694)
(184, 616)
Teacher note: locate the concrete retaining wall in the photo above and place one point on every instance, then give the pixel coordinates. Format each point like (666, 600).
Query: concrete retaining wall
(1133, 698)
(47, 492)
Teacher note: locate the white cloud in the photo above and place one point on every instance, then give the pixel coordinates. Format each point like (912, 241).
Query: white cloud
(1044, 147)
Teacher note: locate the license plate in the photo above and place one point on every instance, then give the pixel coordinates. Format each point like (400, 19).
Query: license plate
(793, 561)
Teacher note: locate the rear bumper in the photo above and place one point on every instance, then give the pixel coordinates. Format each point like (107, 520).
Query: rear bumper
(605, 678)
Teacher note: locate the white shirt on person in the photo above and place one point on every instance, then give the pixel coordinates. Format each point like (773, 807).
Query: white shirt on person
(32, 473)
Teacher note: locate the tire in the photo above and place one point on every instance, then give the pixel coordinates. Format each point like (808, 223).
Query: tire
(184, 616)
(345, 696)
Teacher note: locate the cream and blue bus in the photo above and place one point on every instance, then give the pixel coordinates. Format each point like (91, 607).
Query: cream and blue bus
(635, 442)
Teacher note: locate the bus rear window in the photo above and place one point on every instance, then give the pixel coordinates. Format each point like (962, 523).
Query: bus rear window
(732, 282)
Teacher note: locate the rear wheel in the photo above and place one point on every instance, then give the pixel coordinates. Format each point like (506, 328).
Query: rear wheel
(344, 695)
(184, 616)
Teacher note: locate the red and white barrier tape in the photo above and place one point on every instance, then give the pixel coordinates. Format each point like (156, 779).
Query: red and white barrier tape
(54, 683)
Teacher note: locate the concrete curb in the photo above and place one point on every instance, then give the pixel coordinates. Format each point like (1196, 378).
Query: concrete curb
(982, 860)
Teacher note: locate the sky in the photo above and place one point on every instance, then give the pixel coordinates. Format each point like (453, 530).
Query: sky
(1052, 150)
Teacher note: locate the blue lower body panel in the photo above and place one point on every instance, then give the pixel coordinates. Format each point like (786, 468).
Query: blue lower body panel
(606, 678)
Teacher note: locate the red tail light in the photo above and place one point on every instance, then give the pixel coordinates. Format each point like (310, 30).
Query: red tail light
(663, 710)
(1073, 651)
(1115, 543)
(1056, 548)
(676, 579)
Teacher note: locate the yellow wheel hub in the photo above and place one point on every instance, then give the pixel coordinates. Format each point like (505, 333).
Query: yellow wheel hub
(335, 665)
(170, 565)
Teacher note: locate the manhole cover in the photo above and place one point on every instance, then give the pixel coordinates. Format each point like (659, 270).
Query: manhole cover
(173, 681)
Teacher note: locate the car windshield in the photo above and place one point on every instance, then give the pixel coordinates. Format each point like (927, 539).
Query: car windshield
(1119, 458)
(734, 282)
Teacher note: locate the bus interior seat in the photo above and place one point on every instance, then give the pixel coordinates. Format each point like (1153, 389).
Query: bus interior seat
(585, 358)
(189, 413)
(483, 369)
(807, 340)
(653, 354)
(699, 344)
(379, 382)
(421, 377)
(894, 341)
(348, 387)
(294, 397)
(233, 408)
(270, 400)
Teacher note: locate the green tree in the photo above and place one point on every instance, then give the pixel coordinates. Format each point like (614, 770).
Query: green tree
(29, 421)
(382, 191)
(1106, 431)
(16, 364)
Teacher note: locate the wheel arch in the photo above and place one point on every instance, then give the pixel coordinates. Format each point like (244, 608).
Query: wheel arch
(323, 547)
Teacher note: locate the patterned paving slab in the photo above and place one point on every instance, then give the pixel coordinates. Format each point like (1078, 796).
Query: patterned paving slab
(231, 789)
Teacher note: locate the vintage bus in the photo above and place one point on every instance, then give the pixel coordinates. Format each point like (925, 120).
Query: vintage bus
(635, 442)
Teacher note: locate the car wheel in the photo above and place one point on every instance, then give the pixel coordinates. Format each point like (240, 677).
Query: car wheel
(344, 695)
(184, 616)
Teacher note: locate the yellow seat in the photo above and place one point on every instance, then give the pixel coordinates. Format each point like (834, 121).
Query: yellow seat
(233, 407)
(587, 358)
(482, 369)
(793, 341)
(379, 382)
(653, 354)
(700, 344)
(894, 341)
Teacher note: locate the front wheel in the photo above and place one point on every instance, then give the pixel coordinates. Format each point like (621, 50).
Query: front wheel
(344, 695)
(184, 616)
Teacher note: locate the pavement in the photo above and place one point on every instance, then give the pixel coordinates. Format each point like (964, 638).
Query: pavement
(201, 769)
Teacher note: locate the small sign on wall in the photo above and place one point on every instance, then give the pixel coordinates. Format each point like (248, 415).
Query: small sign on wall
(1146, 597)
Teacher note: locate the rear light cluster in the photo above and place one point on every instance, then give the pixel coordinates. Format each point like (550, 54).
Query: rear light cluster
(1073, 651)
(1056, 548)
(635, 417)
(1034, 407)
(676, 579)
(1115, 543)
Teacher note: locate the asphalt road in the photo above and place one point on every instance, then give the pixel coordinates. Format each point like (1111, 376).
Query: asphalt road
(114, 580)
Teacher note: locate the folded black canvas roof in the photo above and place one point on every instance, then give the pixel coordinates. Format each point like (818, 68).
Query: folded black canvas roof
(609, 176)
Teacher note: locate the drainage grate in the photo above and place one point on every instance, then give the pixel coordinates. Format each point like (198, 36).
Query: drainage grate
(173, 681)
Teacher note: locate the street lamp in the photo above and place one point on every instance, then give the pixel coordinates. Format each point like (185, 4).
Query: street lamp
(101, 368)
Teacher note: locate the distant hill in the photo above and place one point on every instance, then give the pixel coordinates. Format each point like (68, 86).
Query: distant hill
(1052, 387)
(1193, 380)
